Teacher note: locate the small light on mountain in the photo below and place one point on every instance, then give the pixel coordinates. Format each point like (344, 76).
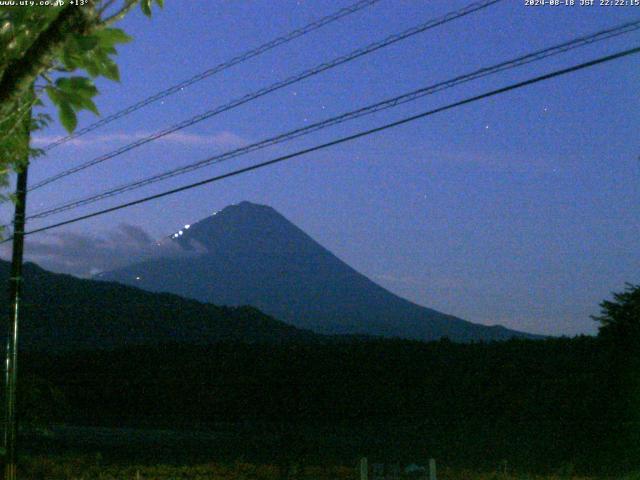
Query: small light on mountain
(180, 232)
(137, 278)
(187, 226)
(175, 235)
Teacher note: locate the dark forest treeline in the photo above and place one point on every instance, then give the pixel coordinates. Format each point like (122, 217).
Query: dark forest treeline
(63, 313)
(538, 404)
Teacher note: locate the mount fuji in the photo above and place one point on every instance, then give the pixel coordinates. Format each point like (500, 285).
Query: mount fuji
(249, 254)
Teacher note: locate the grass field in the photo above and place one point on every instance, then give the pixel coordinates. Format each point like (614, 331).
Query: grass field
(87, 468)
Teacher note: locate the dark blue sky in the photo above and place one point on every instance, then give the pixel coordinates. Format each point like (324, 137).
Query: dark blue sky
(520, 210)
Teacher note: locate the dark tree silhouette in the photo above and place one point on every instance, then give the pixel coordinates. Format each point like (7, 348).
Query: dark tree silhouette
(620, 335)
(620, 318)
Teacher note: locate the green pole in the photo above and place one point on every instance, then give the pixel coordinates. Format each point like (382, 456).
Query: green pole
(15, 293)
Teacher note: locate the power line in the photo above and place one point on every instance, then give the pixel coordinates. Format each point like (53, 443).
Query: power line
(471, 8)
(349, 138)
(379, 106)
(315, 25)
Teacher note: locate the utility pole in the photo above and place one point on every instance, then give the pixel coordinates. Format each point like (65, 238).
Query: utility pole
(15, 292)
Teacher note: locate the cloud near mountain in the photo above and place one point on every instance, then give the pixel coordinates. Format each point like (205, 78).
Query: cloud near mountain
(86, 255)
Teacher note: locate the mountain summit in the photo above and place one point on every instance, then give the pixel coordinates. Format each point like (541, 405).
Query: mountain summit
(248, 254)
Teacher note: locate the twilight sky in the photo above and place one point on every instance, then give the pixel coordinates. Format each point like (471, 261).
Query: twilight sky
(520, 210)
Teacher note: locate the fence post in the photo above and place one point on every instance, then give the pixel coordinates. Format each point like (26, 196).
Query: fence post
(364, 469)
(432, 469)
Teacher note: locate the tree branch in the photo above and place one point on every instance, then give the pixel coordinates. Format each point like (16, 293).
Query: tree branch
(21, 73)
(103, 8)
(129, 4)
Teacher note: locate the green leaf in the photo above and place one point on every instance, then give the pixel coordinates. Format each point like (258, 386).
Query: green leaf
(53, 95)
(160, 3)
(87, 104)
(109, 37)
(80, 86)
(36, 152)
(85, 42)
(71, 95)
(145, 6)
(68, 117)
(110, 70)
(70, 59)
(92, 69)
(91, 64)
(39, 121)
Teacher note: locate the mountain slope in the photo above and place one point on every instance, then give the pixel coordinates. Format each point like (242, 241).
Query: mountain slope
(249, 254)
(61, 312)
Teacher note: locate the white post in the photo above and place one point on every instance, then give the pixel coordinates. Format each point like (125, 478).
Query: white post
(432, 469)
(364, 469)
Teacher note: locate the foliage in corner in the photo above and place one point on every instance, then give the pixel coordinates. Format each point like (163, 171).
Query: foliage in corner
(42, 50)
